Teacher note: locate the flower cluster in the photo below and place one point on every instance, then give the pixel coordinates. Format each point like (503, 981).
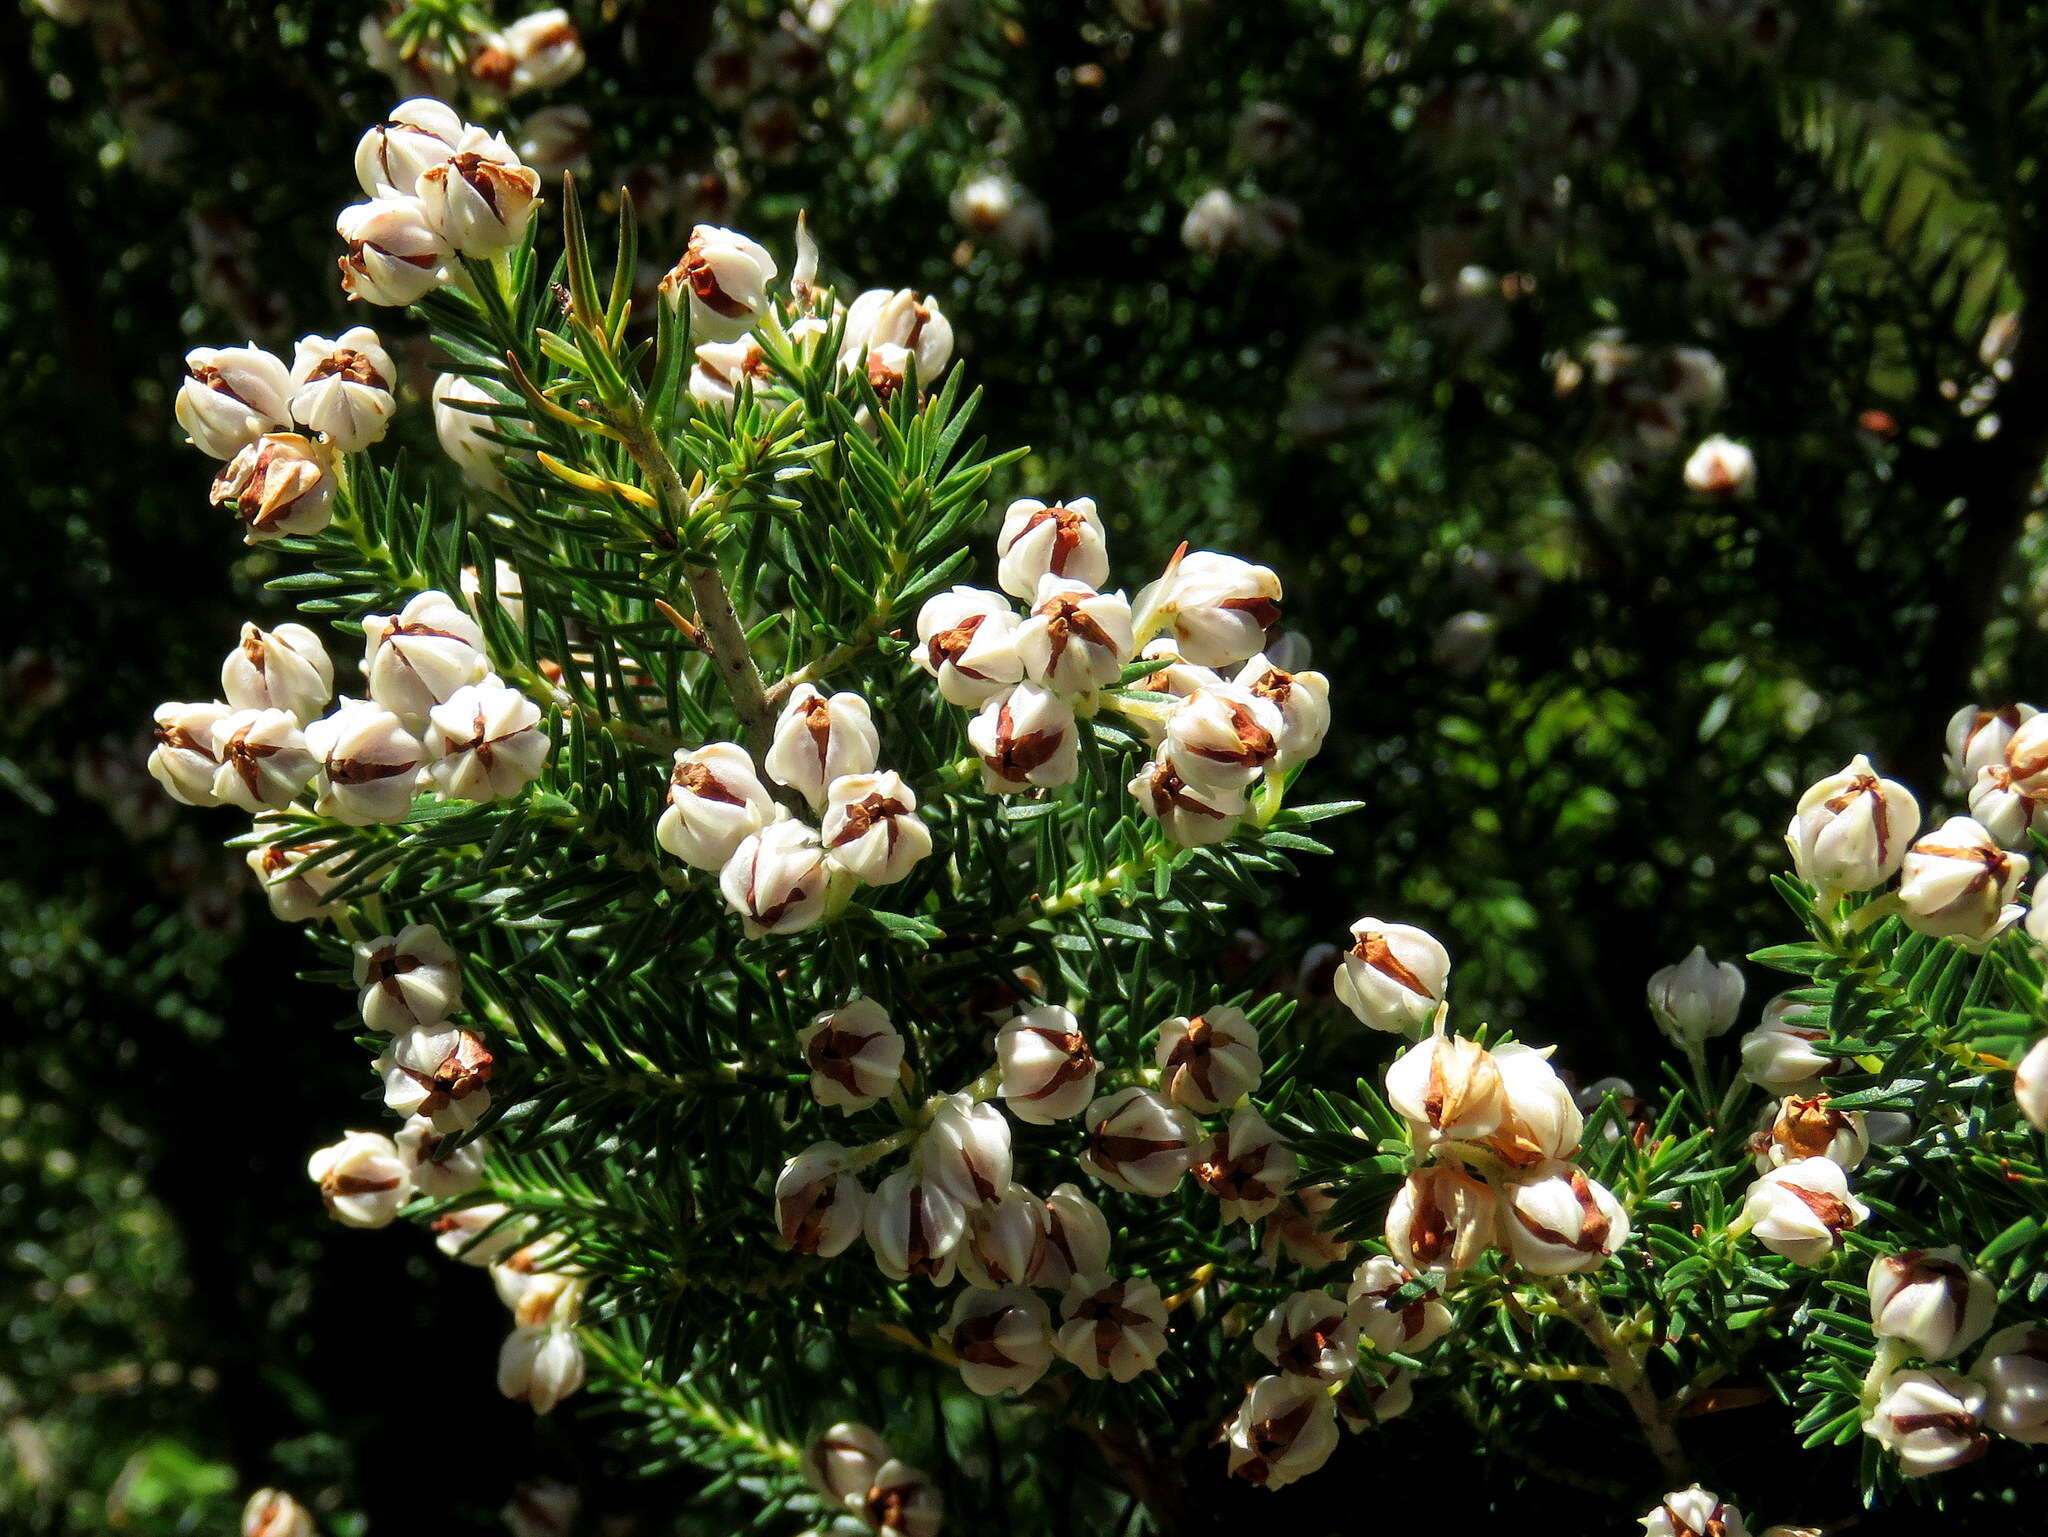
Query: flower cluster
(857, 1474)
(538, 52)
(1649, 398)
(1758, 276)
(758, 77)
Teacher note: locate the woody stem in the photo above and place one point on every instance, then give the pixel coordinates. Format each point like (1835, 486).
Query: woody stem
(1626, 1376)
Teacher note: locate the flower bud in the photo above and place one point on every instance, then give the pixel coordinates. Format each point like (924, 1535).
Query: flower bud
(1076, 1239)
(481, 198)
(480, 1235)
(726, 276)
(840, 1462)
(487, 742)
(1209, 1062)
(1542, 1119)
(1393, 977)
(1931, 1421)
(1048, 1070)
(1389, 1324)
(1808, 1126)
(1364, 1403)
(1721, 468)
(1697, 999)
(296, 893)
(915, 1228)
(442, 1074)
(273, 1513)
(1997, 806)
(1222, 737)
(460, 432)
(1075, 640)
(1065, 540)
(967, 639)
(1302, 700)
(1246, 1167)
(280, 484)
(1782, 1055)
(715, 803)
(2013, 1371)
(362, 1178)
(1695, 1512)
(282, 669)
(262, 758)
(231, 396)
(820, 738)
(541, 50)
(1003, 1339)
(966, 1150)
(1309, 1335)
(1025, 736)
(368, 764)
(182, 760)
(392, 155)
(1005, 1243)
(776, 880)
(871, 828)
(819, 1204)
(439, 1172)
(1299, 1228)
(1441, 1220)
(1932, 1300)
(1851, 830)
(880, 318)
(409, 981)
(902, 1502)
(1978, 738)
(721, 367)
(1801, 1210)
(1958, 883)
(342, 388)
(1286, 1429)
(1193, 816)
(1111, 1328)
(421, 655)
(395, 255)
(1557, 1221)
(1137, 1142)
(1449, 1086)
(854, 1054)
(2030, 1085)
(540, 1366)
(1217, 607)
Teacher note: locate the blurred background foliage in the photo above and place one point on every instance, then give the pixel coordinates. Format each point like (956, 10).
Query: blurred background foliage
(1576, 697)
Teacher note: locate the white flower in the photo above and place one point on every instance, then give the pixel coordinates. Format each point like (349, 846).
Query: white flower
(280, 484)
(1931, 1421)
(362, 1179)
(1997, 806)
(726, 276)
(540, 1365)
(854, 1054)
(1407, 1327)
(460, 431)
(871, 829)
(418, 134)
(183, 761)
(1213, 223)
(408, 980)
(776, 880)
(1138, 1142)
(914, 1228)
(2026, 754)
(1448, 1086)
(1221, 737)
(1364, 1403)
(1302, 700)
(1025, 736)
(437, 1174)
(2030, 1085)
(1210, 1062)
(481, 198)
(1393, 977)
(715, 803)
(1111, 1328)
(1309, 1335)
(1557, 1221)
(1851, 830)
(1721, 468)
(1192, 816)
(1217, 607)
(262, 758)
(441, 1073)
(982, 203)
(1801, 1210)
(342, 388)
(541, 1507)
(1048, 1071)
(1076, 1239)
(1694, 1512)
(1065, 540)
(556, 141)
(1003, 1339)
(1931, 1299)
(966, 1150)
(297, 894)
(1978, 738)
(479, 1235)
(1697, 999)
(902, 1502)
(1286, 1429)
(542, 49)
(1808, 1126)
(1246, 1167)
(720, 368)
(820, 738)
(2013, 1370)
(282, 669)
(1441, 1220)
(395, 255)
(1781, 1054)
(819, 1204)
(880, 318)
(421, 655)
(1542, 1120)
(841, 1460)
(232, 396)
(273, 1513)
(967, 640)
(1075, 640)
(1956, 881)
(487, 742)
(368, 764)
(1005, 1242)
